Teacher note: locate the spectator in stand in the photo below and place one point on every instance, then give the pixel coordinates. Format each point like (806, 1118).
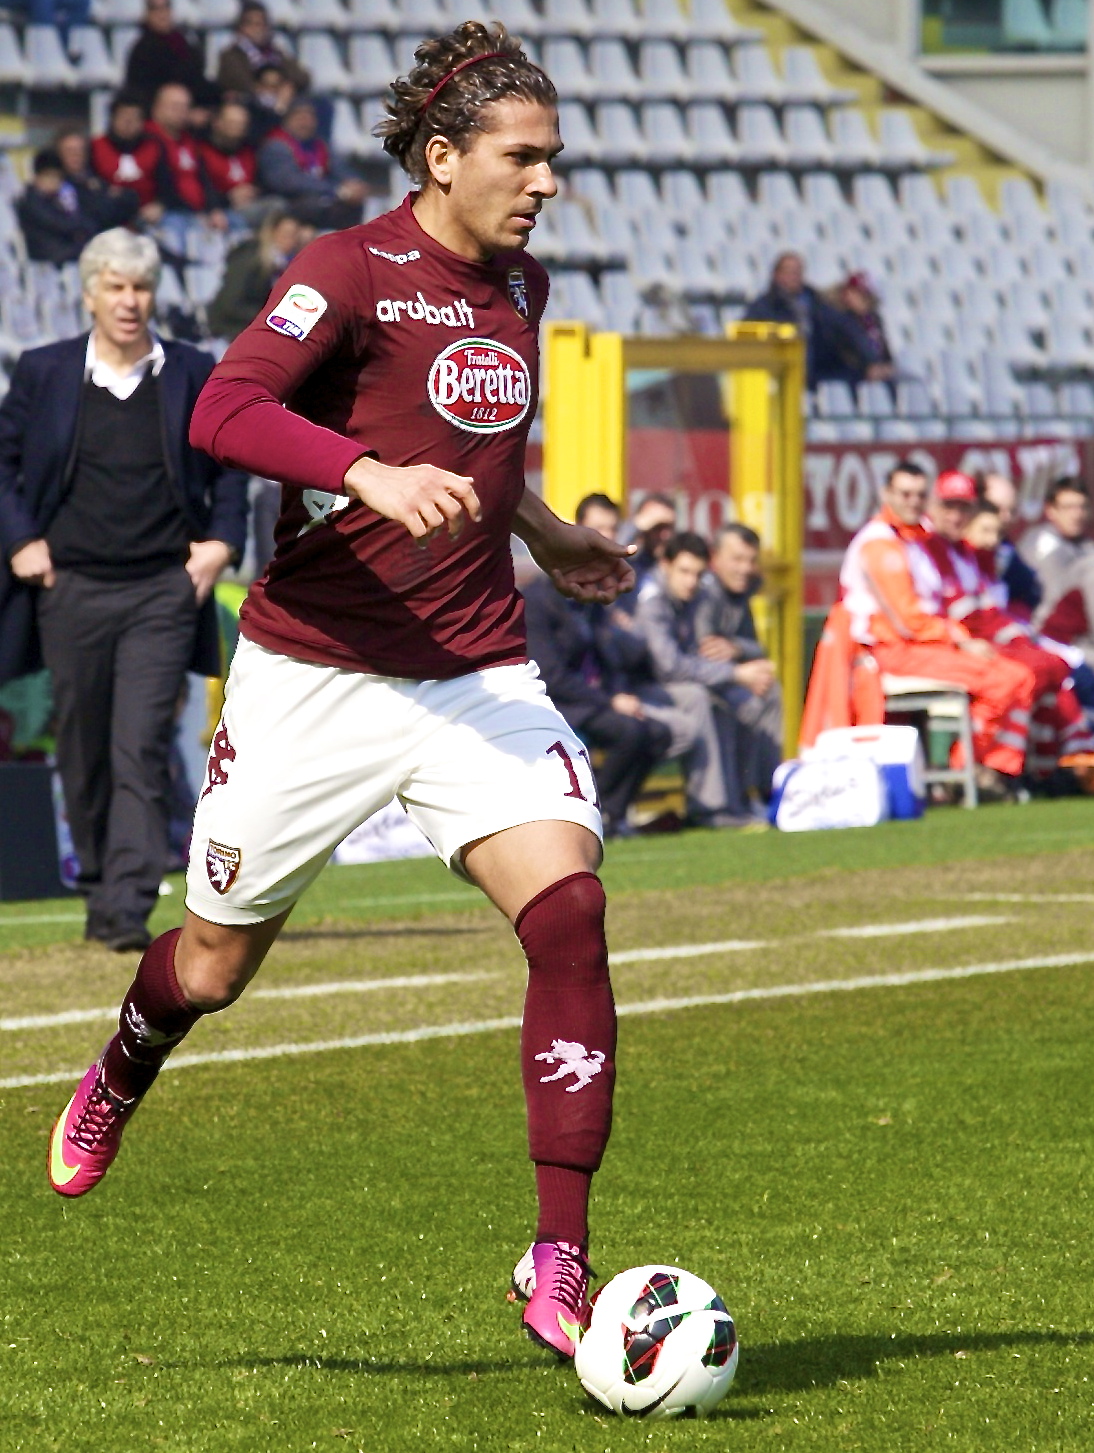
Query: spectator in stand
(63, 14)
(166, 55)
(861, 337)
(1061, 551)
(253, 267)
(54, 228)
(727, 633)
(649, 528)
(108, 206)
(666, 617)
(181, 183)
(253, 49)
(1021, 582)
(125, 155)
(294, 162)
(790, 299)
(229, 159)
(269, 102)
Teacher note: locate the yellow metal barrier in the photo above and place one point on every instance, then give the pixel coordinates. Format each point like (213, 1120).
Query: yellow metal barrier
(763, 365)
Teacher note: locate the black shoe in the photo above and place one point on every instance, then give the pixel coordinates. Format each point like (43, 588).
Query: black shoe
(130, 939)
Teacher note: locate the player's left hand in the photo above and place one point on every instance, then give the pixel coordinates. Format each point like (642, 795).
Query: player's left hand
(584, 565)
(207, 559)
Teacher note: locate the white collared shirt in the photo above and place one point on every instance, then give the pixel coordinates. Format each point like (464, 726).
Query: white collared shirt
(121, 385)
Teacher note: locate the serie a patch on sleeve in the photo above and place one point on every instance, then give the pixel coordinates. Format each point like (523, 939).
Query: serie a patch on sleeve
(298, 312)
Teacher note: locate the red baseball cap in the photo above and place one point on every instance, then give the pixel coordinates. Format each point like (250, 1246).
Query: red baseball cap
(951, 484)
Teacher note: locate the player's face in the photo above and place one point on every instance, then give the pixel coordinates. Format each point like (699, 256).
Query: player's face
(682, 576)
(496, 188)
(121, 307)
(906, 496)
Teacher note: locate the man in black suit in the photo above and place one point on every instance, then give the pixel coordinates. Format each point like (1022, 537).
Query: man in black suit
(113, 531)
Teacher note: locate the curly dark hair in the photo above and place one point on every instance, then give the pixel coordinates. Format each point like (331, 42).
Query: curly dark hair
(456, 111)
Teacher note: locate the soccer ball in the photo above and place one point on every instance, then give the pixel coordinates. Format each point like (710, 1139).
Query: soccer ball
(659, 1344)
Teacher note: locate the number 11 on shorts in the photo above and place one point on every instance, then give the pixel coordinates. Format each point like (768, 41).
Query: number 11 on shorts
(571, 771)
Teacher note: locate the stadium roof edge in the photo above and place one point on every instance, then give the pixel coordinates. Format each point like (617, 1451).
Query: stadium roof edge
(905, 76)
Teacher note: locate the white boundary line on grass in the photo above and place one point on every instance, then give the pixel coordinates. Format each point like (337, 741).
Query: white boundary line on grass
(1023, 897)
(427, 981)
(649, 1006)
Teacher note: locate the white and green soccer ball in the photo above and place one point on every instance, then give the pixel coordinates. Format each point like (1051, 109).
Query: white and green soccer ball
(660, 1344)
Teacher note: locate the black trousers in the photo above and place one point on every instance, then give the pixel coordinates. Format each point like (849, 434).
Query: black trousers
(631, 747)
(118, 652)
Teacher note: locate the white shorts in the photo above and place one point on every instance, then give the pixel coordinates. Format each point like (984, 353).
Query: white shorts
(306, 753)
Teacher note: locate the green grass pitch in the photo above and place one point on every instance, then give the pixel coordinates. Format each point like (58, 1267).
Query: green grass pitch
(891, 1187)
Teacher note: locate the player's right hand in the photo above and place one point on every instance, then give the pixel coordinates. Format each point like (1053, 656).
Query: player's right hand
(420, 497)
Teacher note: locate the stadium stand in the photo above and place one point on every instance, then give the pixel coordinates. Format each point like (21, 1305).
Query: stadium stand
(699, 145)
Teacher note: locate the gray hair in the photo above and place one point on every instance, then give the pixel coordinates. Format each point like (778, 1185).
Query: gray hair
(121, 251)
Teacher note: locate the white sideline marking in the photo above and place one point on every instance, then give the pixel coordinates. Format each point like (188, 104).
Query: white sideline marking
(296, 991)
(649, 1006)
(467, 896)
(627, 956)
(43, 918)
(920, 925)
(1025, 897)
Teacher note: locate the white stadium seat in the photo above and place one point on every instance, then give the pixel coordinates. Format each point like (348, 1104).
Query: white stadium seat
(807, 138)
(757, 79)
(711, 19)
(618, 17)
(374, 15)
(707, 67)
(805, 81)
(13, 67)
(319, 53)
(568, 17)
(421, 17)
(666, 140)
(371, 64)
(613, 73)
(855, 143)
(325, 15)
(519, 17)
(712, 140)
(564, 59)
(95, 66)
(662, 71)
(579, 136)
(761, 142)
(620, 137)
(347, 137)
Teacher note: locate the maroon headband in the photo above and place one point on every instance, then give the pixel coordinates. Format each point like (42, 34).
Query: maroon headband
(490, 55)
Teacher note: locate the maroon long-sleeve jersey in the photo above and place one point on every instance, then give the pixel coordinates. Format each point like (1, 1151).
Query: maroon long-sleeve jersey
(379, 340)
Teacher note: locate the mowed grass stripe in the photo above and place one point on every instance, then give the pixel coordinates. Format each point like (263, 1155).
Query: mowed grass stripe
(650, 1006)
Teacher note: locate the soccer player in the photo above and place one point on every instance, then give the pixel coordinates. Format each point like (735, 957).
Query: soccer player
(389, 385)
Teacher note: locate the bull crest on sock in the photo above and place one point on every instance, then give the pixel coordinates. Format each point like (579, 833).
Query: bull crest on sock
(574, 1059)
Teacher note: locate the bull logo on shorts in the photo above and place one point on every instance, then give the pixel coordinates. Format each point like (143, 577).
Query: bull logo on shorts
(573, 1059)
(222, 865)
(221, 754)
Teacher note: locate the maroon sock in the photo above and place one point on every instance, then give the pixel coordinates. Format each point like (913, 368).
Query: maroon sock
(567, 1047)
(155, 1015)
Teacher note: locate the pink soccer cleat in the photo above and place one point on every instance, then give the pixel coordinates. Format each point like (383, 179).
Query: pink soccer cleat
(558, 1305)
(87, 1136)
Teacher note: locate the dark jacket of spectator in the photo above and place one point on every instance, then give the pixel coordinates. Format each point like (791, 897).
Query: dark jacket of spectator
(163, 59)
(728, 613)
(106, 205)
(241, 61)
(289, 167)
(39, 427)
(1022, 582)
(226, 169)
(128, 162)
(55, 228)
(181, 182)
(583, 658)
(824, 328)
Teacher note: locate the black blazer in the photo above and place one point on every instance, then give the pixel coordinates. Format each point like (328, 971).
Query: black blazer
(39, 427)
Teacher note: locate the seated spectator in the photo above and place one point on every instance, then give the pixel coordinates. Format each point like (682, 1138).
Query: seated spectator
(181, 183)
(666, 617)
(651, 525)
(294, 162)
(231, 165)
(166, 55)
(726, 632)
(862, 341)
(269, 102)
(1022, 585)
(108, 206)
(54, 228)
(1061, 551)
(599, 512)
(126, 155)
(252, 49)
(790, 299)
(63, 14)
(252, 268)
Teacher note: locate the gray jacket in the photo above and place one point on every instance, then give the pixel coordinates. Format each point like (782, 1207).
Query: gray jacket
(722, 612)
(668, 627)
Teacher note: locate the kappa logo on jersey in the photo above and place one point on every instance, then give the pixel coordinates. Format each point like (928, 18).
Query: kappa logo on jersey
(221, 753)
(321, 506)
(480, 386)
(518, 291)
(222, 865)
(573, 1059)
(456, 314)
(298, 312)
(400, 257)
